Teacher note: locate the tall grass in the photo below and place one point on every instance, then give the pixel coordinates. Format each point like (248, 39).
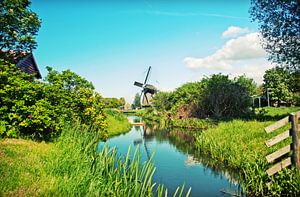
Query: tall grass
(240, 145)
(117, 123)
(80, 169)
(74, 166)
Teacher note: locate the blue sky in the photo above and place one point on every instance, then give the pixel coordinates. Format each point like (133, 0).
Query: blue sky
(111, 43)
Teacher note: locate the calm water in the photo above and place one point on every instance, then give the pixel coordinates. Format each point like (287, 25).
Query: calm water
(175, 161)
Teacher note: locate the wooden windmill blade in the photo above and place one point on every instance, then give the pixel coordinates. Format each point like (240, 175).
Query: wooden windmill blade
(138, 84)
(147, 90)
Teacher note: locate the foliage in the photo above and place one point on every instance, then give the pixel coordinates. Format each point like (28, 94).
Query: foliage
(74, 165)
(137, 101)
(19, 26)
(240, 145)
(117, 123)
(248, 83)
(279, 22)
(40, 109)
(189, 93)
(192, 123)
(225, 98)
(216, 96)
(278, 81)
(162, 101)
(113, 102)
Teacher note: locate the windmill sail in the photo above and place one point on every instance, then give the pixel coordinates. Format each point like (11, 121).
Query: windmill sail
(148, 90)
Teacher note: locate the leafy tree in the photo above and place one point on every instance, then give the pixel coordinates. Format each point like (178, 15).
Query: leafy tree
(247, 83)
(279, 22)
(113, 102)
(279, 83)
(216, 96)
(224, 97)
(122, 101)
(41, 109)
(188, 93)
(18, 26)
(163, 101)
(137, 101)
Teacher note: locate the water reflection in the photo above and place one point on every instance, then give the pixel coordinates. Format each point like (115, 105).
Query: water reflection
(176, 160)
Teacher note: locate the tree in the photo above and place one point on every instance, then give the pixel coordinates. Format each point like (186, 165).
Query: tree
(122, 101)
(279, 22)
(19, 27)
(41, 109)
(162, 101)
(224, 97)
(137, 101)
(278, 81)
(247, 83)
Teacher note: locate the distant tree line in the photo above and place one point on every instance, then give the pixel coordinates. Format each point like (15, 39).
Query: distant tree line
(113, 102)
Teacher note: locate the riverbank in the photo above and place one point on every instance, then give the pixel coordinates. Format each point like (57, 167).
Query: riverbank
(117, 123)
(71, 165)
(240, 145)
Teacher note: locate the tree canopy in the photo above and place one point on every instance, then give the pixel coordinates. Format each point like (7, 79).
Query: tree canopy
(279, 23)
(137, 101)
(279, 83)
(18, 26)
(41, 109)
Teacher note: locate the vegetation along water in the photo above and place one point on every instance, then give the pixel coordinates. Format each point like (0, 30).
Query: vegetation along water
(61, 137)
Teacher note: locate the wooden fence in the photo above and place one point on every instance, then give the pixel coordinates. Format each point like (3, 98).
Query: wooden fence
(294, 146)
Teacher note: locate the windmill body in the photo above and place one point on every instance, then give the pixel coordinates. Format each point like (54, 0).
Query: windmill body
(148, 91)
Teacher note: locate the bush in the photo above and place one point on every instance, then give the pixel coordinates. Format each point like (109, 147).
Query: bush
(40, 109)
(216, 96)
(224, 97)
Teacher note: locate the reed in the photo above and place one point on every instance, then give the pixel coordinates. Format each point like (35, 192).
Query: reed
(74, 166)
(80, 168)
(239, 145)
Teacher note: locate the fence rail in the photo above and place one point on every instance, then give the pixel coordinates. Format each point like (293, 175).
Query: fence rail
(294, 146)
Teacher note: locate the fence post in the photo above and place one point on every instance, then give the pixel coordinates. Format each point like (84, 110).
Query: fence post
(295, 138)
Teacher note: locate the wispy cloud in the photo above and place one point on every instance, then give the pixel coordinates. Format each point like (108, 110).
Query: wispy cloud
(184, 14)
(234, 31)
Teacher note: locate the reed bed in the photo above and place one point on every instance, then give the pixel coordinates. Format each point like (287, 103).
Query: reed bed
(80, 168)
(73, 165)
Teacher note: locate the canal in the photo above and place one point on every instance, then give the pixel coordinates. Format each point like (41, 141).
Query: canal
(176, 161)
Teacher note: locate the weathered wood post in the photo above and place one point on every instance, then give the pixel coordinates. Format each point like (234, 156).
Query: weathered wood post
(295, 139)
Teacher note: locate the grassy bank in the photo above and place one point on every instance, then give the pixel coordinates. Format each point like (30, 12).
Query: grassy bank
(22, 166)
(239, 144)
(72, 166)
(117, 122)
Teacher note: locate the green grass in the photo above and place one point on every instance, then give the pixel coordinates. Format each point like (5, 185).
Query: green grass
(240, 145)
(73, 166)
(22, 165)
(117, 123)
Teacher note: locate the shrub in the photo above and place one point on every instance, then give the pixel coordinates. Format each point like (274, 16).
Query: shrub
(216, 96)
(224, 97)
(40, 109)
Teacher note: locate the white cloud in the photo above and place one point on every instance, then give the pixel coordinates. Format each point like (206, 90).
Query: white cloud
(241, 55)
(234, 31)
(241, 48)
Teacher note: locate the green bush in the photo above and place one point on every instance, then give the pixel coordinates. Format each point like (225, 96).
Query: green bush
(215, 96)
(225, 98)
(40, 109)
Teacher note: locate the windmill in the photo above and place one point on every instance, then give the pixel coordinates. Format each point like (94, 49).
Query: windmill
(148, 90)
